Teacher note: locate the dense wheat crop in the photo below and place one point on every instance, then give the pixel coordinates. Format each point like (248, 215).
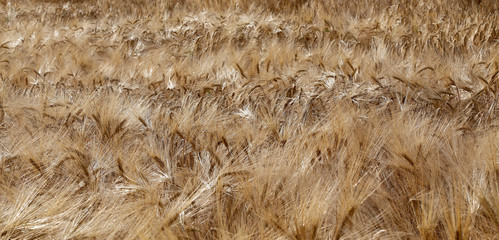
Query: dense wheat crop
(240, 119)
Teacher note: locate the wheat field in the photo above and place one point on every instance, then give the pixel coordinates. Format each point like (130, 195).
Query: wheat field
(240, 119)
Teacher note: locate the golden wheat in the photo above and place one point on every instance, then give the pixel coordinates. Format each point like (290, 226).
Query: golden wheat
(225, 119)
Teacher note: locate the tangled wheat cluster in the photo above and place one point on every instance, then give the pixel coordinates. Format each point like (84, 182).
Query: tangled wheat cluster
(239, 119)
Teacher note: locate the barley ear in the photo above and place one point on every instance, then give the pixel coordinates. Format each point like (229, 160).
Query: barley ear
(1, 111)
